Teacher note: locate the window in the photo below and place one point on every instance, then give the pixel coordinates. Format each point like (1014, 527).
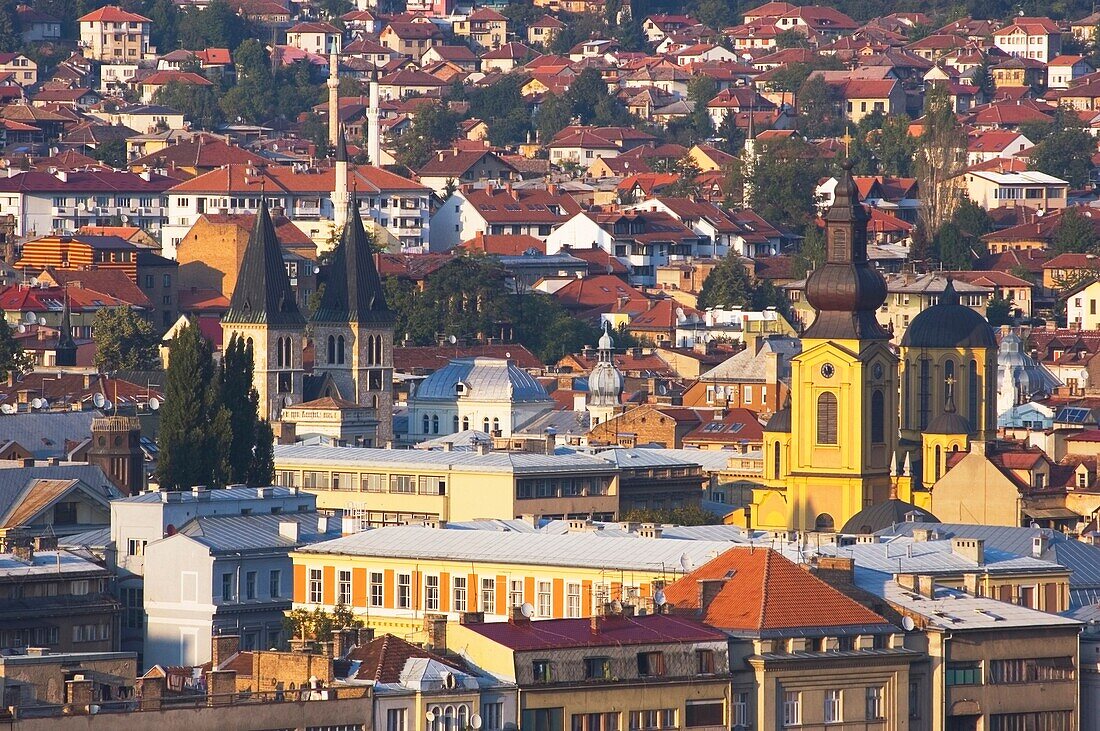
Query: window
(458, 594)
(544, 597)
(792, 708)
(402, 483)
(515, 592)
(827, 418)
(274, 581)
(595, 721)
(651, 664)
(739, 711)
(489, 596)
(396, 719)
(227, 587)
(876, 707)
(878, 417)
(376, 588)
(250, 585)
(963, 673)
(704, 662)
(540, 671)
(343, 584)
(135, 547)
(315, 586)
(372, 482)
(972, 396)
(573, 599)
(492, 716)
(431, 593)
(597, 668)
(1030, 670)
(1039, 721)
(914, 699)
(133, 604)
(404, 591)
(704, 713)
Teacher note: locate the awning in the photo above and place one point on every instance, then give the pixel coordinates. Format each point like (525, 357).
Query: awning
(1051, 513)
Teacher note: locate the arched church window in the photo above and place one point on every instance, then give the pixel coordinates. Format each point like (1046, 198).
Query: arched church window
(924, 393)
(948, 379)
(776, 459)
(340, 350)
(972, 396)
(455, 423)
(378, 349)
(370, 350)
(824, 523)
(465, 423)
(485, 425)
(331, 349)
(496, 425)
(878, 417)
(827, 418)
(939, 462)
(435, 423)
(425, 422)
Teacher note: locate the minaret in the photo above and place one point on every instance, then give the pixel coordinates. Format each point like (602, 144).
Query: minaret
(374, 125)
(333, 84)
(340, 188)
(65, 353)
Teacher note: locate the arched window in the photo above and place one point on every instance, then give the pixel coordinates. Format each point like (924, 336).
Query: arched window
(924, 394)
(455, 424)
(907, 400)
(496, 425)
(370, 350)
(463, 716)
(776, 459)
(340, 350)
(437, 712)
(878, 417)
(824, 523)
(378, 350)
(435, 423)
(826, 418)
(939, 462)
(465, 423)
(485, 425)
(948, 379)
(331, 349)
(425, 421)
(972, 396)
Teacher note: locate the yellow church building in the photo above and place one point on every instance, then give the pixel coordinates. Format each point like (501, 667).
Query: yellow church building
(866, 425)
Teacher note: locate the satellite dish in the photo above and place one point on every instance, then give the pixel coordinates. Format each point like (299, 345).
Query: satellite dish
(124, 218)
(154, 403)
(99, 399)
(21, 329)
(7, 409)
(429, 717)
(452, 340)
(36, 403)
(659, 598)
(449, 681)
(475, 722)
(42, 321)
(527, 610)
(288, 401)
(31, 317)
(908, 624)
(107, 405)
(616, 606)
(685, 562)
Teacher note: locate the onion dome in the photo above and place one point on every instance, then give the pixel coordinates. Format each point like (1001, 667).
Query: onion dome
(605, 383)
(846, 290)
(949, 324)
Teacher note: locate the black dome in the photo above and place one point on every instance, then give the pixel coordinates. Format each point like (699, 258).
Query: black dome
(949, 324)
(949, 422)
(780, 421)
(881, 516)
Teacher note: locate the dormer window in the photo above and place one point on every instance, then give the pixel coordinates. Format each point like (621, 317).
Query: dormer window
(460, 389)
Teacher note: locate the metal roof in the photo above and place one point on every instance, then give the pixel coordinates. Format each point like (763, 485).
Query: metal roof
(422, 459)
(44, 432)
(903, 555)
(46, 562)
(584, 549)
(228, 493)
(14, 480)
(484, 379)
(231, 533)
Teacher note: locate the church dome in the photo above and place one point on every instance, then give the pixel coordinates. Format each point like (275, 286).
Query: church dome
(1019, 371)
(949, 422)
(949, 324)
(780, 421)
(887, 514)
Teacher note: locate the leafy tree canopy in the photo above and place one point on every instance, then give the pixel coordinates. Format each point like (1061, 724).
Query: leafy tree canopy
(124, 340)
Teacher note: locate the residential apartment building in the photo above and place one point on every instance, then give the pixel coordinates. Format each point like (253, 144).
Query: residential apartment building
(320, 38)
(23, 70)
(486, 28)
(397, 206)
(1035, 38)
(991, 189)
(56, 599)
(393, 577)
(612, 671)
(1081, 305)
(111, 34)
(493, 211)
(64, 201)
(223, 575)
(391, 486)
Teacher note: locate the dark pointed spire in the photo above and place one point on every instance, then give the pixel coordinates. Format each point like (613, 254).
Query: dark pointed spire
(65, 353)
(263, 293)
(950, 295)
(353, 289)
(341, 152)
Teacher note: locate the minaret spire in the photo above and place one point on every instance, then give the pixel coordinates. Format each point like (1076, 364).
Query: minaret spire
(340, 186)
(65, 353)
(374, 128)
(333, 84)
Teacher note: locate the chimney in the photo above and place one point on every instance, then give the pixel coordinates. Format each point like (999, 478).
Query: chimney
(289, 530)
(25, 554)
(365, 635)
(971, 582)
(199, 492)
(1039, 544)
(221, 687)
(650, 530)
(708, 590)
(972, 549)
(483, 448)
(926, 586)
(45, 543)
(515, 616)
(223, 647)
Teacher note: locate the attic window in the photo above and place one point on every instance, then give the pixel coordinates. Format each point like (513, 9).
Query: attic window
(460, 389)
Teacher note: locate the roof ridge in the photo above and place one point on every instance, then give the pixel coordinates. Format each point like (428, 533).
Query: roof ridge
(764, 589)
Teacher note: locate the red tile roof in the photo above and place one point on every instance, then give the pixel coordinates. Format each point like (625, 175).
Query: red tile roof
(245, 178)
(431, 357)
(382, 659)
(113, 14)
(598, 291)
(763, 591)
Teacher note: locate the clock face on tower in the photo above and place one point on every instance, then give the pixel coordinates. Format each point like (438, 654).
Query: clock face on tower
(827, 370)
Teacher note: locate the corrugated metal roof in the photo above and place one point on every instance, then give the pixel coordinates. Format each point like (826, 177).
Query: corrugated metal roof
(586, 550)
(224, 533)
(485, 379)
(44, 432)
(46, 562)
(903, 555)
(420, 459)
(15, 480)
(228, 493)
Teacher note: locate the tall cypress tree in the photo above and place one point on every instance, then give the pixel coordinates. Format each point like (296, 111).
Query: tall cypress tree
(194, 427)
(261, 470)
(241, 400)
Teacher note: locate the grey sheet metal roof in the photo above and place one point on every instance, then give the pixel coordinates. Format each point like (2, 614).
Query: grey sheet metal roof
(752, 365)
(44, 432)
(229, 493)
(14, 480)
(419, 459)
(1081, 558)
(901, 555)
(47, 562)
(586, 550)
(97, 538)
(486, 379)
(955, 610)
(231, 533)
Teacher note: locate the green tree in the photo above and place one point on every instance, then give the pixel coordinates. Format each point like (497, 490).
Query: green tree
(261, 469)
(983, 78)
(435, 126)
(215, 26)
(164, 29)
(12, 357)
(733, 138)
(729, 285)
(501, 105)
(199, 104)
(973, 220)
(820, 109)
(791, 38)
(998, 312)
(587, 92)
(686, 186)
(952, 247)
(1075, 233)
(717, 14)
(318, 624)
(112, 152)
(811, 254)
(782, 181)
(555, 114)
(701, 90)
(315, 130)
(688, 515)
(252, 98)
(939, 159)
(242, 402)
(893, 146)
(124, 340)
(1066, 152)
(629, 33)
(194, 426)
